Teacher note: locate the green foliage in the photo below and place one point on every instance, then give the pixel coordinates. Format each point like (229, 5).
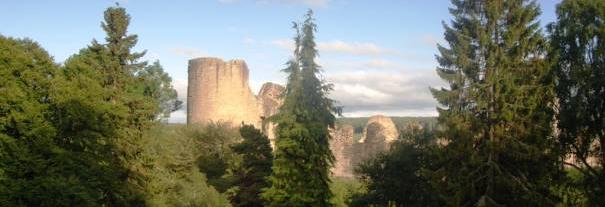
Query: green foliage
(578, 56)
(252, 176)
(497, 111)
(157, 84)
(344, 189)
(215, 158)
(397, 177)
(72, 135)
(56, 134)
(302, 157)
(571, 192)
(113, 66)
(175, 179)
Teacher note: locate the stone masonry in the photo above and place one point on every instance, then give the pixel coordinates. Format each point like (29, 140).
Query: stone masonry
(219, 91)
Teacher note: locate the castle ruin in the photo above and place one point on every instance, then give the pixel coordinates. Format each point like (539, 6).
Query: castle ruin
(219, 91)
(378, 135)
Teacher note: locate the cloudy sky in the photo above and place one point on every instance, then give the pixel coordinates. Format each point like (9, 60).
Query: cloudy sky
(379, 54)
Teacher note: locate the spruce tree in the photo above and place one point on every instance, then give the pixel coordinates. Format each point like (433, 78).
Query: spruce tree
(256, 167)
(301, 175)
(496, 115)
(579, 65)
(114, 66)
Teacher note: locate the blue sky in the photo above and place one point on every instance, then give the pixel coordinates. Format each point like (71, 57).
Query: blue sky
(379, 54)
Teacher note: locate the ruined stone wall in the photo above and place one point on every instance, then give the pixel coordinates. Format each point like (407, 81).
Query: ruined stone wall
(342, 148)
(219, 91)
(378, 135)
(270, 100)
(386, 128)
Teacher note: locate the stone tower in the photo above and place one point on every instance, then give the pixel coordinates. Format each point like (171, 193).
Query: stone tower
(219, 91)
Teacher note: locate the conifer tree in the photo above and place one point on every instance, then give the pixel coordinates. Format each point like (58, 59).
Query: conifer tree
(496, 114)
(301, 175)
(579, 65)
(256, 167)
(114, 66)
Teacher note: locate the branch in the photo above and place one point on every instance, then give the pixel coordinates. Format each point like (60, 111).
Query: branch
(582, 170)
(583, 160)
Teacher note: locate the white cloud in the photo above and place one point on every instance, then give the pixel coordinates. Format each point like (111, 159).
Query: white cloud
(189, 52)
(400, 93)
(355, 48)
(363, 93)
(380, 63)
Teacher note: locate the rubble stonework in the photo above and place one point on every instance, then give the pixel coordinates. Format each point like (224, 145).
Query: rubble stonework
(218, 91)
(380, 126)
(378, 135)
(342, 146)
(270, 100)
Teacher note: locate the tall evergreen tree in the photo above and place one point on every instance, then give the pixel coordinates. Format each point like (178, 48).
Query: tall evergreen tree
(114, 66)
(497, 111)
(301, 175)
(256, 167)
(579, 64)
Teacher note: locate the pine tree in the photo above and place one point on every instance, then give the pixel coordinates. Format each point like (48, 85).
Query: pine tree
(301, 175)
(120, 64)
(497, 111)
(114, 67)
(579, 65)
(256, 167)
